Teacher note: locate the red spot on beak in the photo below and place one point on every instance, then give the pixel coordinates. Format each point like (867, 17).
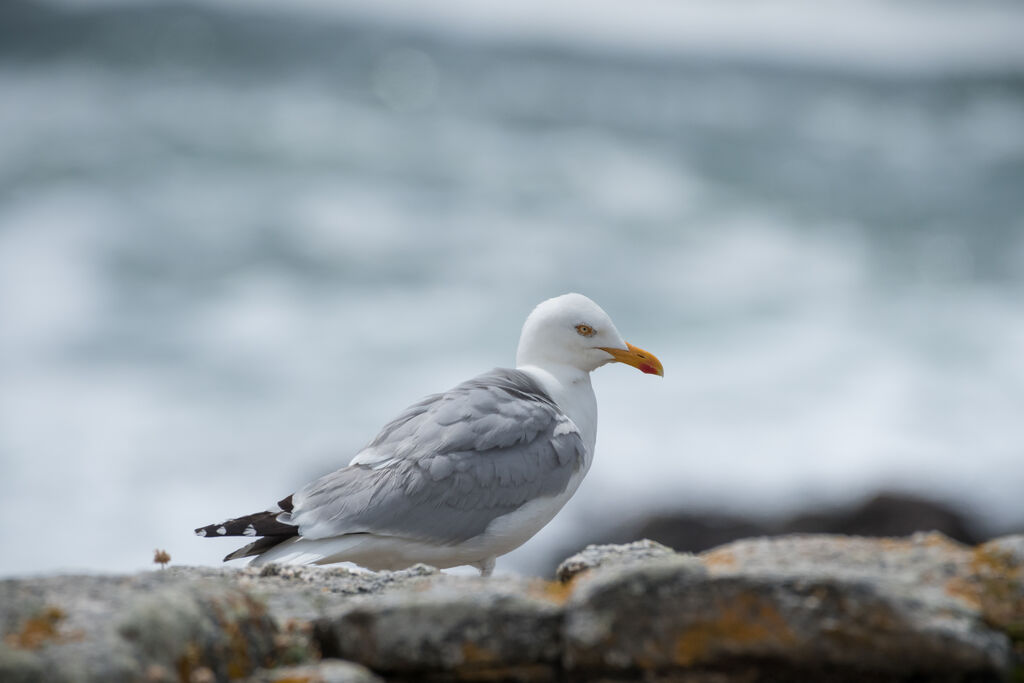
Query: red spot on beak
(647, 369)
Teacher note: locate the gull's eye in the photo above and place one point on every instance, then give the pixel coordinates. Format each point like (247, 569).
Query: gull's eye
(585, 330)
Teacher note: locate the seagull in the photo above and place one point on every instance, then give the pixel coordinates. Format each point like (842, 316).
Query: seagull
(464, 476)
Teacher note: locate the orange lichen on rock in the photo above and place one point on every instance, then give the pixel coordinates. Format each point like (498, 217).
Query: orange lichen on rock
(745, 621)
(935, 539)
(722, 557)
(40, 629)
(553, 591)
(230, 617)
(965, 589)
(474, 655)
(998, 578)
(188, 661)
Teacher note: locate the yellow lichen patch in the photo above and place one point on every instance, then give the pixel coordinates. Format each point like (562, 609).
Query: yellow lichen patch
(988, 560)
(742, 623)
(998, 579)
(188, 662)
(890, 543)
(552, 591)
(473, 654)
(965, 590)
(993, 582)
(935, 539)
(723, 557)
(41, 628)
(237, 655)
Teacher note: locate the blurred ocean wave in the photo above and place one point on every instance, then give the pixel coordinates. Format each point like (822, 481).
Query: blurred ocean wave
(937, 37)
(235, 242)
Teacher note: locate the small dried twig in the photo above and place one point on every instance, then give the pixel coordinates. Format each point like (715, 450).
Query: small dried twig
(161, 557)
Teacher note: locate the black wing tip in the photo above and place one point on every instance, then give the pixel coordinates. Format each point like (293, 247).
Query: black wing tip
(212, 530)
(263, 523)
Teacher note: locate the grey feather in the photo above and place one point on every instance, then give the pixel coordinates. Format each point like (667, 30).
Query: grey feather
(449, 465)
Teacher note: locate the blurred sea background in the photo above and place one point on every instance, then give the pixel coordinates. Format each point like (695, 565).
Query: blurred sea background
(237, 237)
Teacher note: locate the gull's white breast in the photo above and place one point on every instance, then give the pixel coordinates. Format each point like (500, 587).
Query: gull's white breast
(573, 393)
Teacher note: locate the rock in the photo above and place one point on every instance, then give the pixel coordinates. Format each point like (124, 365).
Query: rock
(594, 556)
(467, 628)
(994, 581)
(326, 671)
(151, 626)
(885, 514)
(806, 607)
(305, 592)
(792, 607)
(175, 624)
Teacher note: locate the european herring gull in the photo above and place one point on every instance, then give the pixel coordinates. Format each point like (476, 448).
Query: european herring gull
(464, 476)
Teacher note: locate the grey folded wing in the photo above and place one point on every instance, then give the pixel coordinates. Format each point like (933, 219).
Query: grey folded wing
(449, 465)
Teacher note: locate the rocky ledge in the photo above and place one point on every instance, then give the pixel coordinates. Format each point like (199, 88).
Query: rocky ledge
(798, 608)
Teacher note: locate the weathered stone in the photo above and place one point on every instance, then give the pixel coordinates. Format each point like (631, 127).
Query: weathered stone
(811, 603)
(469, 628)
(152, 625)
(987, 580)
(694, 530)
(326, 671)
(789, 608)
(920, 559)
(305, 592)
(594, 556)
(173, 623)
(996, 581)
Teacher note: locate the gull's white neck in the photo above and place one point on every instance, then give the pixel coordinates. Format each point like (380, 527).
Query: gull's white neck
(570, 388)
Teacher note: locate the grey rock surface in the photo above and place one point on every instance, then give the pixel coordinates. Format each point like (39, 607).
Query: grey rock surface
(809, 607)
(665, 617)
(305, 592)
(171, 624)
(883, 514)
(893, 608)
(594, 556)
(475, 628)
(155, 626)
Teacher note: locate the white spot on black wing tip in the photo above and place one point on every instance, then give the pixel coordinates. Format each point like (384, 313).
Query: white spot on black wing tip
(221, 530)
(249, 531)
(200, 532)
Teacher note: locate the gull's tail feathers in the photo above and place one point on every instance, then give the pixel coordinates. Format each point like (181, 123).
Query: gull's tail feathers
(264, 523)
(298, 550)
(257, 548)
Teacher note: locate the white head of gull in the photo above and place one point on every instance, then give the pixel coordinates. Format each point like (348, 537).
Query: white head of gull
(464, 476)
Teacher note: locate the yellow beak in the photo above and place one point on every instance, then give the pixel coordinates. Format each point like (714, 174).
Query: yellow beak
(644, 361)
